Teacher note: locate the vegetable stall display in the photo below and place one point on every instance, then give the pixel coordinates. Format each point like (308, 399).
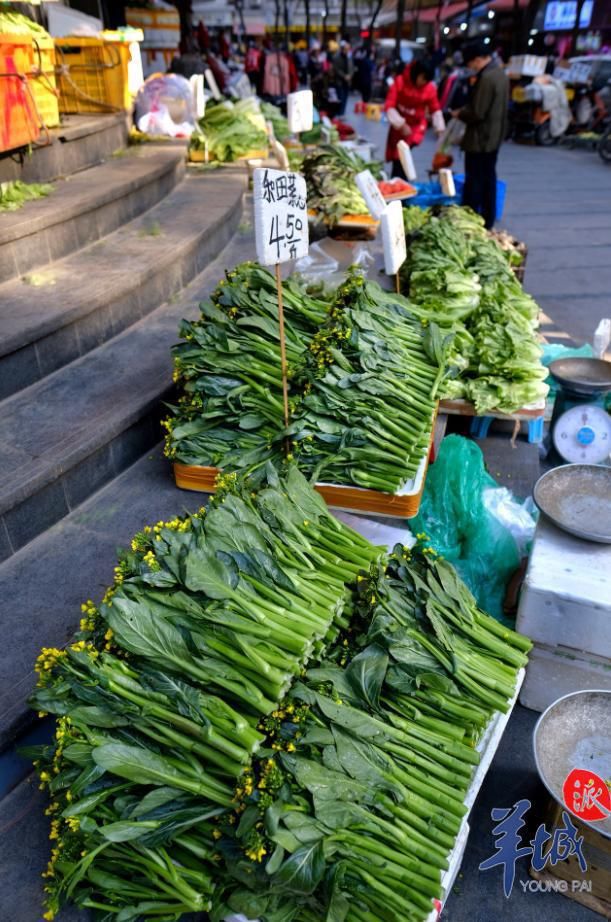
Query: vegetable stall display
(230, 130)
(329, 173)
(458, 276)
(363, 382)
(251, 718)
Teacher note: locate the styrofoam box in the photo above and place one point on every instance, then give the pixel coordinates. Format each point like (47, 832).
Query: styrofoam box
(556, 671)
(566, 597)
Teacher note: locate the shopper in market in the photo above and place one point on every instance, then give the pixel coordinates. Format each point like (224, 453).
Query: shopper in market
(343, 69)
(410, 100)
(485, 117)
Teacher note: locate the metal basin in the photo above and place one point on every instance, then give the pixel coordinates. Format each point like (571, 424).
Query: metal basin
(575, 732)
(577, 498)
(582, 375)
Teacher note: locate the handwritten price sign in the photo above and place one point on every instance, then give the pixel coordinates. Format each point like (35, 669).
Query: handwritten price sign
(393, 238)
(300, 111)
(281, 218)
(370, 191)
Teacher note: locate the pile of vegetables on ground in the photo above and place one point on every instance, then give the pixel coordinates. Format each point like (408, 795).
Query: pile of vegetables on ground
(15, 193)
(229, 130)
(363, 381)
(252, 718)
(458, 276)
(329, 174)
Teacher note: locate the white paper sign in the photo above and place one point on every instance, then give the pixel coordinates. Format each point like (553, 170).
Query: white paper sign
(407, 161)
(199, 97)
(393, 238)
(211, 81)
(280, 154)
(446, 181)
(300, 111)
(370, 191)
(281, 216)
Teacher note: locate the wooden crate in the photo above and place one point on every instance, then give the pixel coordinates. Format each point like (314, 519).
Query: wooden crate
(597, 852)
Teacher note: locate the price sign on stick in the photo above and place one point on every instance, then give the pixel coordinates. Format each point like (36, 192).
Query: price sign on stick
(393, 239)
(300, 111)
(281, 233)
(211, 81)
(407, 161)
(370, 191)
(446, 181)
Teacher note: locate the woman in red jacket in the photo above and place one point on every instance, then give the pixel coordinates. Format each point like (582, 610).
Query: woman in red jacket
(410, 99)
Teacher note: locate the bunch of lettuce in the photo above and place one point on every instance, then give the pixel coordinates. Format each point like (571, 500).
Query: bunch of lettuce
(230, 129)
(458, 276)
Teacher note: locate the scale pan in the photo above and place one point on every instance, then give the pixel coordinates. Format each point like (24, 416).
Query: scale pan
(582, 375)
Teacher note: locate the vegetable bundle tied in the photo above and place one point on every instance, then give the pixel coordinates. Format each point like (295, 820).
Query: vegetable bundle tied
(459, 276)
(357, 794)
(264, 716)
(210, 620)
(363, 381)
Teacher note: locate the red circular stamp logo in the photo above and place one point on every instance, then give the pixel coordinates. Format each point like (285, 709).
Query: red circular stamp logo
(587, 795)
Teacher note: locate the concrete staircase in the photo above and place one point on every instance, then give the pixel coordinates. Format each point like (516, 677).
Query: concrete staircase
(94, 281)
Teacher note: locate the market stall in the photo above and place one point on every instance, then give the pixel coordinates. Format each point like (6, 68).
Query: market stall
(277, 711)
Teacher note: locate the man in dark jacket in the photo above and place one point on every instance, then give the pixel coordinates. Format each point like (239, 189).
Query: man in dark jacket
(485, 117)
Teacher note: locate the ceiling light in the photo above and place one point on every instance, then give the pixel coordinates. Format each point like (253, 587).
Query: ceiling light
(463, 26)
(491, 14)
(446, 30)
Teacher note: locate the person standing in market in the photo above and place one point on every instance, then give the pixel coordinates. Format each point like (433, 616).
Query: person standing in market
(485, 118)
(410, 100)
(343, 69)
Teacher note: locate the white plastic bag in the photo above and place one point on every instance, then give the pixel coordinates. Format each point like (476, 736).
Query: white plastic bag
(516, 517)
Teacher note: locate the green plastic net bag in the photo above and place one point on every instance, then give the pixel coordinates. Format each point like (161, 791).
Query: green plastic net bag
(472, 522)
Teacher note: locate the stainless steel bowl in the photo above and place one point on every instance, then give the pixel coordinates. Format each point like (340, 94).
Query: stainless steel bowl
(575, 732)
(577, 498)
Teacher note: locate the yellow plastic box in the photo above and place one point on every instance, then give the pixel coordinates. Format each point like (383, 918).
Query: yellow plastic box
(93, 75)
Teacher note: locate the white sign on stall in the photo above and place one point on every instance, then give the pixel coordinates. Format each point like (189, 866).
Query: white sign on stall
(211, 81)
(407, 161)
(446, 181)
(280, 154)
(370, 191)
(300, 111)
(393, 238)
(281, 216)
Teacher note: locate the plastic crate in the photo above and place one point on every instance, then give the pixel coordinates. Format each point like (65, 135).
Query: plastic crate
(501, 193)
(93, 75)
(43, 82)
(429, 193)
(18, 120)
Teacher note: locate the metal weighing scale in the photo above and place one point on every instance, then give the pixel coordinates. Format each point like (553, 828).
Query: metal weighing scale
(580, 428)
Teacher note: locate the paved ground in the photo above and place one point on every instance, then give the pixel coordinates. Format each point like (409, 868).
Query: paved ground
(558, 202)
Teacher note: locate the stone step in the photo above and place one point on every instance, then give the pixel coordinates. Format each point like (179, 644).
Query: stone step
(86, 207)
(44, 583)
(94, 294)
(80, 141)
(74, 430)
